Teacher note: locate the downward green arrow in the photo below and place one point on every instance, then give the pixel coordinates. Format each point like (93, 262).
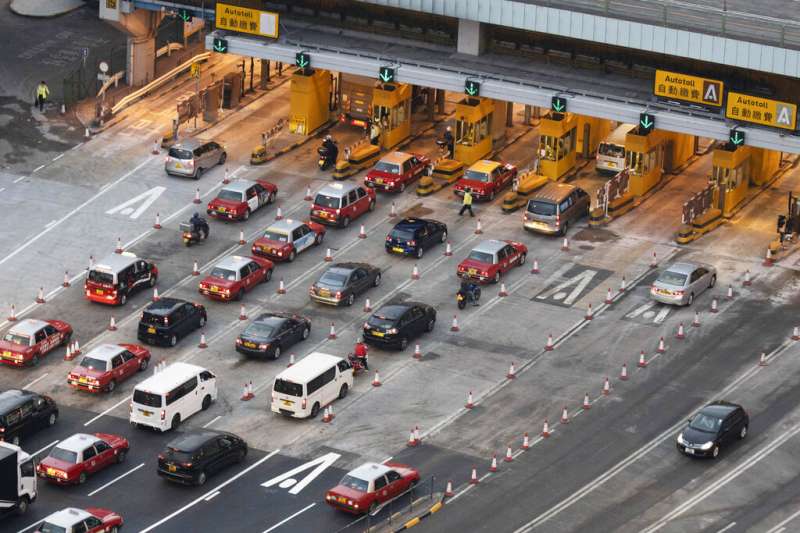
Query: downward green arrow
(385, 76)
(471, 90)
(646, 123)
(737, 139)
(558, 106)
(185, 15)
(302, 63)
(219, 48)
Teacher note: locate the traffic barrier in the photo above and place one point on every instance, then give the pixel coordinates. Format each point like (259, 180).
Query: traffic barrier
(308, 196)
(242, 313)
(526, 443)
(768, 262)
(76, 349)
(503, 292)
(332, 333)
(281, 287)
(393, 211)
(642, 361)
(203, 343)
(118, 249)
(448, 250)
(156, 147)
(65, 283)
(155, 294)
(545, 429)
(729, 295)
(795, 331)
(196, 196)
(535, 269)
(12, 317)
(40, 296)
(696, 320)
(448, 492)
(417, 352)
(587, 404)
(589, 314)
(473, 479)
(278, 214)
(291, 360)
(493, 466)
(469, 404)
(367, 306)
(661, 346)
(415, 273)
(681, 335)
(226, 178)
(241, 238)
(478, 229)
(714, 308)
(195, 271)
(747, 281)
(565, 245)
(606, 387)
(362, 234)
(623, 375)
(549, 346)
(412, 441)
(376, 381)
(247, 393)
(328, 256)
(564, 415)
(654, 261)
(512, 373)
(623, 285)
(157, 225)
(455, 327)
(763, 360)
(609, 297)
(68, 354)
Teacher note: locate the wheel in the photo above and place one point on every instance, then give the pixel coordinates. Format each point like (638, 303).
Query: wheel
(206, 402)
(223, 158)
(402, 187)
(240, 455)
(111, 386)
(121, 455)
(246, 214)
(270, 197)
(691, 299)
(66, 339)
(377, 280)
(431, 325)
(201, 478)
(306, 332)
(152, 281)
(143, 364)
(713, 281)
(315, 410)
(267, 276)
(240, 294)
(199, 173)
(82, 478)
(343, 391)
(350, 299)
(22, 506)
(715, 452)
(564, 228)
(496, 277)
(176, 422)
(372, 205)
(202, 321)
(173, 340)
(51, 420)
(491, 196)
(420, 252)
(444, 237)
(276, 353)
(15, 440)
(345, 222)
(114, 529)
(462, 304)
(123, 299)
(318, 238)
(292, 256)
(35, 360)
(403, 343)
(743, 432)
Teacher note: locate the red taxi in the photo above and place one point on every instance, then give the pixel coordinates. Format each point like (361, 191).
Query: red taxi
(240, 198)
(74, 459)
(73, 520)
(284, 239)
(396, 170)
(31, 339)
(112, 280)
(106, 365)
(364, 489)
(485, 179)
(339, 203)
(491, 259)
(235, 275)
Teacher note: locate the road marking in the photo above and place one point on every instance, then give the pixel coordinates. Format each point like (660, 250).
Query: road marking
(131, 471)
(35, 381)
(212, 495)
(20, 179)
(50, 223)
(34, 454)
(387, 459)
(76, 146)
(641, 309)
(59, 156)
(662, 314)
(212, 421)
(286, 479)
(146, 199)
(779, 528)
(726, 528)
(578, 282)
(204, 496)
(107, 410)
(37, 169)
(279, 524)
(738, 470)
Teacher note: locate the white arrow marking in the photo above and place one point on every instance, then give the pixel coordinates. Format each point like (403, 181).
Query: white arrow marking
(146, 198)
(639, 310)
(321, 464)
(581, 281)
(662, 314)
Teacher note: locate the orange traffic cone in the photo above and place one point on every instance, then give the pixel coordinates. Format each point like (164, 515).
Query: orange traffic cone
(76, 348)
(564, 415)
(526, 443)
(535, 269)
(412, 442)
(367, 306)
(473, 479)
(12, 317)
(376, 382)
(247, 393)
(586, 403)
(768, 262)
(157, 225)
(714, 307)
(696, 321)
(448, 492)
(729, 294)
(308, 196)
(155, 294)
(448, 251)
(196, 196)
(203, 343)
(493, 467)
(455, 327)
(328, 256)
(112, 324)
(512, 373)
(623, 285)
(417, 352)
(469, 404)
(478, 229)
(278, 214)
(681, 335)
(503, 292)
(68, 355)
(362, 234)
(195, 271)
(589, 314)
(241, 238)
(661, 346)
(326, 416)
(242, 313)
(642, 360)
(609, 297)
(415, 273)
(565, 245)
(549, 346)
(795, 331)
(40, 296)
(118, 249)
(281, 287)
(545, 429)
(606, 388)
(623, 375)
(65, 283)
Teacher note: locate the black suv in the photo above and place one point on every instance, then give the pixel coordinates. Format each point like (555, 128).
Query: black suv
(342, 282)
(270, 333)
(169, 319)
(412, 236)
(23, 412)
(393, 325)
(717, 424)
(192, 457)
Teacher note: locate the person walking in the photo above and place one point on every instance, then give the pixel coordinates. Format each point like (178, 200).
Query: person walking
(467, 203)
(375, 133)
(42, 94)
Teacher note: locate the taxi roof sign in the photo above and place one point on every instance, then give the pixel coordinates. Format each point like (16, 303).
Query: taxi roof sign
(246, 20)
(764, 111)
(677, 86)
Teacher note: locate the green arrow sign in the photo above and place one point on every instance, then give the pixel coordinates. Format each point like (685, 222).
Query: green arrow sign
(646, 123)
(558, 104)
(184, 15)
(220, 45)
(386, 74)
(302, 60)
(736, 137)
(472, 88)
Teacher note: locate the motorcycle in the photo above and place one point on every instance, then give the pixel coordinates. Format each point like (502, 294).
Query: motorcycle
(463, 297)
(192, 234)
(356, 363)
(327, 157)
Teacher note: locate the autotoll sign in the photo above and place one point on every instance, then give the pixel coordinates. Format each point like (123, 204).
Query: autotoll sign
(246, 20)
(764, 111)
(676, 86)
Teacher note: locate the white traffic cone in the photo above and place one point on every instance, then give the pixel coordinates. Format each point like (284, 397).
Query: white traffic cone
(661, 346)
(242, 312)
(203, 343)
(156, 148)
(565, 245)
(118, 249)
(589, 313)
(549, 346)
(65, 283)
(91, 262)
(376, 381)
(470, 404)
(328, 256)
(526, 443)
(681, 335)
(623, 375)
(448, 250)
(696, 321)
(412, 441)
(281, 287)
(448, 492)
(654, 261)
(76, 348)
(545, 429)
(473, 478)
(587, 404)
(623, 285)
(278, 214)
(291, 360)
(40, 296)
(417, 352)
(155, 294)
(326, 415)
(493, 466)
(564, 415)
(332, 334)
(642, 361)
(503, 292)
(455, 327)
(157, 225)
(308, 196)
(535, 269)
(246, 394)
(795, 331)
(68, 355)
(768, 262)
(512, 372)
(729, 294)
(196, 196)
(714, 308)
(241, 238)
(606, 387)
(112, 324)
(416, 435)
(12, 316)
(478, 229)
(367, 306)
(226, 178)
(393, 212)
(609, 297)
(747, 282)
(362, 233)
(763, 360)
(415, 273)
(195, 271)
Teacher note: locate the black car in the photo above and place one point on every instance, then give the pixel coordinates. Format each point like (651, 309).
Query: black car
(342, 282)
(717, 425)
(393, 325)
(271, 333)
(195, 455)
(170, 319)
(23, 412)
(412, 236)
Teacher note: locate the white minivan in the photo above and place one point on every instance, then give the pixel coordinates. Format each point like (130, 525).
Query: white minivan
(172, 395)
(304, 388)
(611, 152)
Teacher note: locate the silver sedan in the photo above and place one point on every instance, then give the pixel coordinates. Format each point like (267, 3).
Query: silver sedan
(680, 283)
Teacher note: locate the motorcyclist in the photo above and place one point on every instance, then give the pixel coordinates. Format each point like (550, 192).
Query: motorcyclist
(330, 151)
(199, 224)
(360, 352)
(449, 141)
(469, 289)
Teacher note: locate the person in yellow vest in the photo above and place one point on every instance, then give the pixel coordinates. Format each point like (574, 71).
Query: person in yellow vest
(42, 94)
(467, 204)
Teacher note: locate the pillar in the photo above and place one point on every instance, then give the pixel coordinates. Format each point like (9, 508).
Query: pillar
(527, 114)
(141, 60)
(440, 101)
(471, 37)
(509, 114)
(264, 75)
(429, 103)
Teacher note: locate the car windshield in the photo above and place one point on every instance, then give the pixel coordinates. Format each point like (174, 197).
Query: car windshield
(476, 176)
(672, 278)
(380, 321)
(480, 257)
(354, 483)
(101, 277)
(93, 364)
(323, 200)
(611, 150)
(276, 236)
(47, 527)
(707, 423)
(542, 208)
(16, 338)
(223, 273)
(287, 387)
(179, 153)
(233, 196)
(146, 398)
(389, 168)
(259, 331)
(334, 279)
(64, 455)
(403, 234)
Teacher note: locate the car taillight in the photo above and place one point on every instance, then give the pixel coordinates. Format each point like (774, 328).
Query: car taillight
(163, 414)
(304, 403)
(186, 465)
(338, 295)
(263, 346)
(238, 341)
(388, 238)
(190, 163)
(558, 219)
(484, 273)
(525, 217)
(412, 243)
(161, 457)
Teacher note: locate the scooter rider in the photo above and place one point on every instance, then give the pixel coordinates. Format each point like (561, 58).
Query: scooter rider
(199, 224)
(360, 352)
(449, 141)
(469, 290)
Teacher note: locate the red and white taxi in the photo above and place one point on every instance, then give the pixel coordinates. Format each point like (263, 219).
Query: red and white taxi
(284, 239)
(74, 459)
(240, 198)
(491, 259)
(107, 365)
(235, 275)
(396, 170)
(73, 520)
(485, 179)
(364, 489)
(338, 204)
(30, 339)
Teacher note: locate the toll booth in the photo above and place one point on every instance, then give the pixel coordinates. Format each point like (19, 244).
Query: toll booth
(591, 132)
(765, 163)
(731, 173)
(644, 158)
(473, 135)
(391, 108)
(309, 101)
(558, 136)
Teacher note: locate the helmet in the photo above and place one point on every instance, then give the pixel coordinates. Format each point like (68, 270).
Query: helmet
(328, 138)
(196, 215)
(449, 128)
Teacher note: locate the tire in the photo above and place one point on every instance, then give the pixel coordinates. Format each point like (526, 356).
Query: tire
(343, 391)
(52, 419)
(173, 340)
(420, 252)
(246, 214)
(123, 299)
(201, 478)
(82, 478)
(276, 353)
(318, 239)
(223, 158)
(444, 237)
(176, 422)
(143, 364)
(372, 205)
(743, 432)
(431, 325)
(462, 304)
(402, 188)
(206, 402)
(15, 440)
(267, 276)
(345, 222)
(292, 256)
(691, 299)
(270, 198)
(522, 259)
(350, 300)
(314, 410)
(114, 529)
(403, 343)
(496, 277)
(713, 281)
(240, 295)
(240, 455)
(22, 506)
(377, 280)
(121, 456)
(715, 451)
(35, 360)
(153, 281)
(202, 321)
(111, 386)
(306, 332)
(199, 173)
(66, 339)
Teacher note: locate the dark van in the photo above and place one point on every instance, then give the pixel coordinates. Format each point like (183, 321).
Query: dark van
(192, 457)
(168, 320)
(23, 413)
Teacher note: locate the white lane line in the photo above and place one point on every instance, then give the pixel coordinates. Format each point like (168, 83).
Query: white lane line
(726, 528)
(2, 189)
(738, 470)
(52, 222)
(204, 496)
(34, 454)
(212, 421)
(387, 459)
(71, 213)
(212, 496)
(20, 179)
(76, 146)
(301, 511)
(131, 471)
(35, 381)
(59, 156)
(37, 169)
(107, 410)
(780, 526)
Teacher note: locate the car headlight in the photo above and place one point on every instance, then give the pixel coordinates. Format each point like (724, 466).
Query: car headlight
(349, 502)
(680, 439)
(707, 445)
(392, 331)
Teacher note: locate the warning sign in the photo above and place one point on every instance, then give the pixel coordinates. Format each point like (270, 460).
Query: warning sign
(676, 86)
(764, 111)
(246, 20)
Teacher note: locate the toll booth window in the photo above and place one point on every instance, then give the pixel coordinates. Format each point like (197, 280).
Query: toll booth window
(640, 163)
(381, 115)
(547, 148)
(399, 115)
(566, 144)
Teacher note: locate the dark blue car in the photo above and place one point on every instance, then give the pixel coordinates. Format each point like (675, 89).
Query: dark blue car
(412, 236)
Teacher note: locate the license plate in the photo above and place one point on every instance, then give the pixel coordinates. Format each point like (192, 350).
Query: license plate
(51, 471)
(178, 165)
(221, 209)
(151, 330)
(250, 344)
(98, 291)
(460, 297)
(288, 403)
(147, 413)
(541, 225)
(398, 249)
(472, 272)
(612, 164)
(379, 181)
(664, 291)
(172, 468)
(690, 451)
(342, 500)
(378, 333)
(324, 214)
(324, 292)
(6, 354)
(83, 380)
(214, 288)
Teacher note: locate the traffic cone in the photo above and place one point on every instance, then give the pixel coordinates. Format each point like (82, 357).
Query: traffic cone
(565, 245)
(291, 360)
(157, 225)
(203, 343)
(623, 285)
(609, 297)
(196, 196)
(623, 375)
(493, 467)
(564, 415)
(469, 404)
(241, 238)
(242, 313)
(281, 287)
(195, 271)
(65, 283)
(455, 327)
(118, 249)
(326, 416)
(416, 435)
(448, 492)
(12, 317)
(40, 296)
(696, 320)
(503, 292)
(362, 234)
(478, 229)
(376, 381)
(415, 273)
(714, 308)
(768, 262)
(654, 261)
(328, 256)
(526, 443)
(729, 295)
(155, 150)
(412, 442)
(763, 360)
(68, 355)
(586, 403)
(448, 250)
(606, 388)
(589, 314)
(76, 348)
(535, 269)
(112, 324)
(681, 335)
(278, 214)
(226, 178)
(155, 294)
(367, 306)
(549, 346)
(246, 394)
(330, 412)
(795, 331)
(661, 346)
(332, 334)
(642, 360)
(393, 212)
(545, 429)
(417, 352)
(747, 281)
(307, 197)
(512, 373)
(473, 479)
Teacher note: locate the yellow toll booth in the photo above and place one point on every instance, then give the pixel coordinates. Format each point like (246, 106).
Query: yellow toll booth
(731, 172)
(309, 100)
(558, 133)
(391, 108)
(644, 159)
(473, 135)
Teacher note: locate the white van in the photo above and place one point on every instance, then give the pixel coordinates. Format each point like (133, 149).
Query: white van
(611, 152)
(309, 385)
(172, 395)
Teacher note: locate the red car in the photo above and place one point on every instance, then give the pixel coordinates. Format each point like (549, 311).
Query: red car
(396, 170)
(30, 339)
(491, 259)
(339, 203)
(485, 179)
(240, 198)
(364, 489)
(235, 275)
(284, 239)
(106, 365)
(73, 520)
(74, 459)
